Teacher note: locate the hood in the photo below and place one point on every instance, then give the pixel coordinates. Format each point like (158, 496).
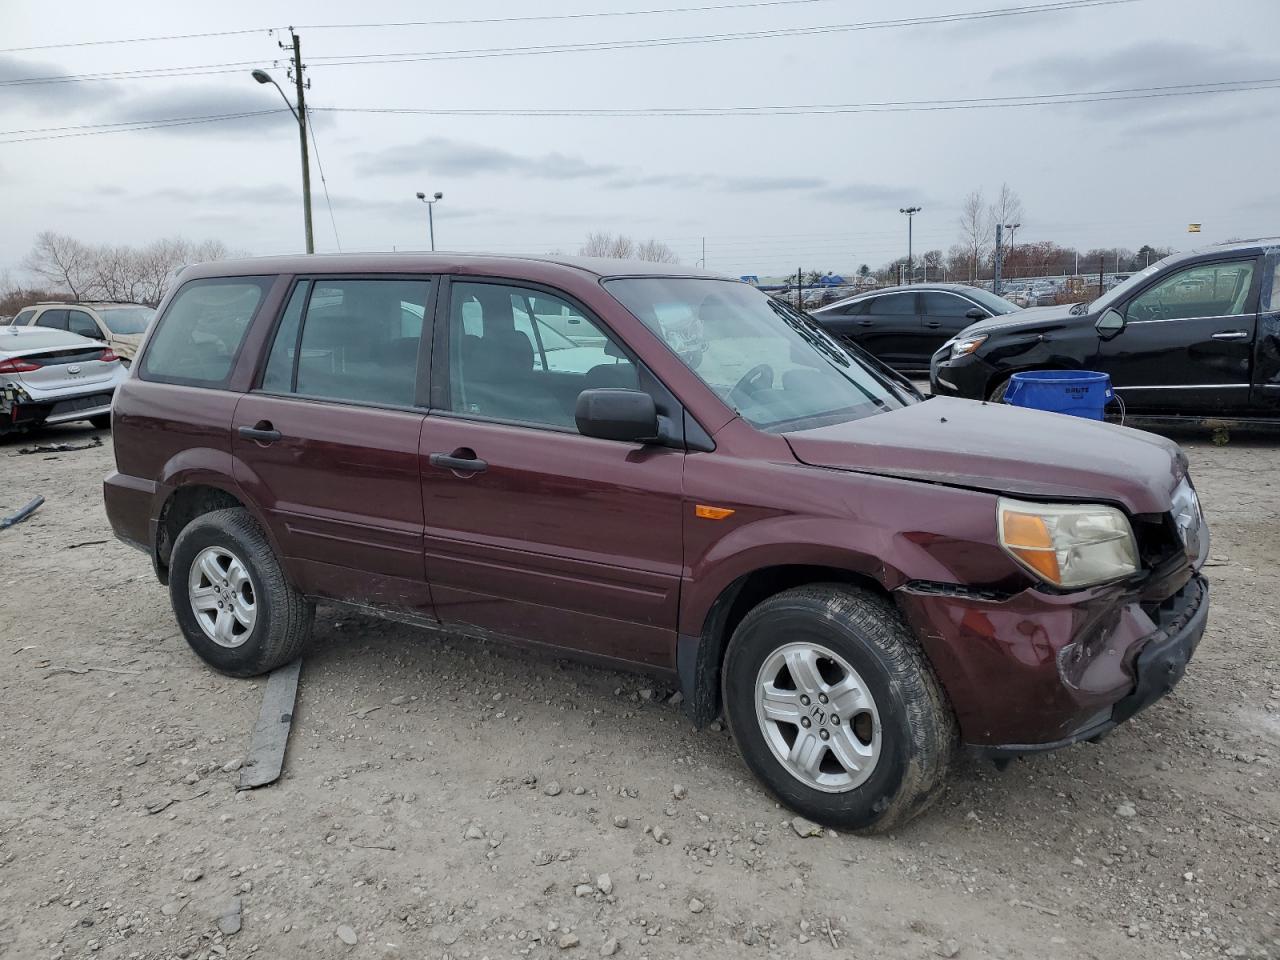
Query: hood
(1037, 318)
(1003, 449)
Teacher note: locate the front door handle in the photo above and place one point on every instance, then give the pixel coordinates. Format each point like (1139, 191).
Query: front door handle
(865, 323)
(1232, 335)
(933, 324)
(262, 431)
(447, 461)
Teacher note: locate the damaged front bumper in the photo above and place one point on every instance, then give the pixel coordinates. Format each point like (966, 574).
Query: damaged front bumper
(1040, 671)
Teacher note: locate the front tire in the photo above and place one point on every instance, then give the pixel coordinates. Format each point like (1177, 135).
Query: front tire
(231, 598)
(835, 708)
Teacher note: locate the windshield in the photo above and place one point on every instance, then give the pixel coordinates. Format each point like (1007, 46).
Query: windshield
(1121, 290)
(776, 368)
(996, 304)
(126, 320)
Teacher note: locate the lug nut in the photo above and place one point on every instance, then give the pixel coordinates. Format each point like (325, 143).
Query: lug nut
(835, 720)
(822, 698)
(804, 722)
(824, 734)
(804, 700)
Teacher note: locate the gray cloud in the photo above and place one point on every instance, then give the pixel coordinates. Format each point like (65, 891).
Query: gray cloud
(66, 96)
(869, 194)
(440, 155)
(205, 101)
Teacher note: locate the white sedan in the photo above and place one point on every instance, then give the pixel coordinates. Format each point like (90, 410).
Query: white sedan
(51, 376)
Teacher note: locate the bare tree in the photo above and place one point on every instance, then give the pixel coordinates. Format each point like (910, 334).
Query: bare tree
(656, 251)
(1007, 206)
(62, 263)
(601, 243)
(976, 228)
(116, 272)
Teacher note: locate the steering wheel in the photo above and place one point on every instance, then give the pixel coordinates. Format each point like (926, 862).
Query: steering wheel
(759, 377)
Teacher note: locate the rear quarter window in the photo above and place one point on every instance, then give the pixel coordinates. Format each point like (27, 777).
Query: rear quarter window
(198, 338)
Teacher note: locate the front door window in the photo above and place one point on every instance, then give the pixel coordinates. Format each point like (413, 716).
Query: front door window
(1205, 290)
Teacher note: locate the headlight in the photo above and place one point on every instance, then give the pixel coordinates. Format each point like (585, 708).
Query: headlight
(1068, 545)
(965, 346)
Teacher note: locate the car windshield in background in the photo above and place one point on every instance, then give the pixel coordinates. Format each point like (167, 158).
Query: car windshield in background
(126, 320)
(996, 304)
(771, 365)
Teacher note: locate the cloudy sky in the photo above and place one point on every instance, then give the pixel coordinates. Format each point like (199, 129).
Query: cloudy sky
(769, 191)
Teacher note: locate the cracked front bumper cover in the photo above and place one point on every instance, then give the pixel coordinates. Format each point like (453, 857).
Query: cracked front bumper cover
(1037, 672)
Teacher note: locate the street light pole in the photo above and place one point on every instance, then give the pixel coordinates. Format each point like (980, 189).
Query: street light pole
(910, 212)
(431, 222)
(300, 115)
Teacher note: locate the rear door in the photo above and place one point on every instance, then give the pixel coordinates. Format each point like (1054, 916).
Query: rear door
(327, 443)
(54, 319)
(892, 332)
(1266, 349)
(533, 530)
(1187, 342)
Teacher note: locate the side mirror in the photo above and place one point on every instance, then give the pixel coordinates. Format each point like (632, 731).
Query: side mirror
(1109, 324)
(977, 313)
(613, 414)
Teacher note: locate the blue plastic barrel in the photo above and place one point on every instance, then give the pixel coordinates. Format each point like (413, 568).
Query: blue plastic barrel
(1077, 393)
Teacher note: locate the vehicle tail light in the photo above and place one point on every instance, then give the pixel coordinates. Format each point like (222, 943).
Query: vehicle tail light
(18, 365)
(108, 356)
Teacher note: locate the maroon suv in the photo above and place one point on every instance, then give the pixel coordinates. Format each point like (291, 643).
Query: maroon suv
(664, 471)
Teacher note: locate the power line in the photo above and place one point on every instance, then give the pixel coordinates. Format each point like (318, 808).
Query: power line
(886, 106)
(417, 23)
(323, 182)
(1054, 6)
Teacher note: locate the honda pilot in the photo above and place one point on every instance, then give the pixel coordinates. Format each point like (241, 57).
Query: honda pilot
(661, 470)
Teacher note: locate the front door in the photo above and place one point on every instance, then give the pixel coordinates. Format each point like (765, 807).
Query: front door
(327, 445)
(943, 315)
(533, 530)
(891, 328)
(1187, 342)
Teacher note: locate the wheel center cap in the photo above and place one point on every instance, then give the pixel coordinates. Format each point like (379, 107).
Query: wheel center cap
(819, 715)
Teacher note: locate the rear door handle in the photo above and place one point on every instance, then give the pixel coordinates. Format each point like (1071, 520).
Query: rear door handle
(866, 323)
(262, 432)
(933, 324)
(1232, 335)
(461, 464)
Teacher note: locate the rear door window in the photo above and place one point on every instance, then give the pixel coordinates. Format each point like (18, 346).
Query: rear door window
(199, 336)
(351, 339)
(53, 319)
(895, 305)
(23, 318)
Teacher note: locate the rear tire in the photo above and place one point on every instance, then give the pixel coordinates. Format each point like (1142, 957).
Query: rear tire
(231, 598)
(809, 652)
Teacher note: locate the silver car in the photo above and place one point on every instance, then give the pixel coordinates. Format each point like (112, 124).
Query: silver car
(51, 376)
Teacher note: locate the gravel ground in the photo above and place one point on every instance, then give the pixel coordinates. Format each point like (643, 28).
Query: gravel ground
(443, 798)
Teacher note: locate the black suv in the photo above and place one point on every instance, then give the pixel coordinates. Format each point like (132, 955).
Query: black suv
(1196, 334)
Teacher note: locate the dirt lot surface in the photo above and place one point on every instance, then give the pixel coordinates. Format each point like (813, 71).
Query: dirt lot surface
(447, 799)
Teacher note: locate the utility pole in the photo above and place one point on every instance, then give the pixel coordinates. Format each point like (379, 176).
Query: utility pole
(995, 278)
(302, 138)
(1011, 227)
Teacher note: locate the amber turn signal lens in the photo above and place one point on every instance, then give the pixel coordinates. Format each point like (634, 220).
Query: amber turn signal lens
(1027, 537)
(711, 513)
